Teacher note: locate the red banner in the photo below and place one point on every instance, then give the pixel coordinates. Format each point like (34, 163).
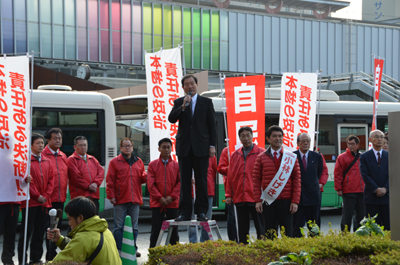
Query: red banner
(245, 107)
(378, 69)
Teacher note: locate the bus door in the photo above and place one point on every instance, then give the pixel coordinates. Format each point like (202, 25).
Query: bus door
(358, 129)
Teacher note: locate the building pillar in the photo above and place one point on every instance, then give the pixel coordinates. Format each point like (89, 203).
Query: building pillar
(394, 169)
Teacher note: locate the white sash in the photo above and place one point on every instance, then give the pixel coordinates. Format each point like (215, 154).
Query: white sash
(277, 184)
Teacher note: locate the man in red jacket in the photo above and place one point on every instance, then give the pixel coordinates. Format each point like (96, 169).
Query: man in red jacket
(349, 184)
(124, 189)
(60, 169)
(163, 183)
(281, 210)
(223, 166)
(240, 184)
(40, 191)
(85, 173)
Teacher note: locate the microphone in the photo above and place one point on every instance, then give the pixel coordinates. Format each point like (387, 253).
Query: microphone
(190, 95)
(55, 215)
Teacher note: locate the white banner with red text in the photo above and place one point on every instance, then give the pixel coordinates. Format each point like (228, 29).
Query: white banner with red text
(245, 107)
(164, 75)
(298, 107)
(277, 184)
(15, 123)
(378, 69)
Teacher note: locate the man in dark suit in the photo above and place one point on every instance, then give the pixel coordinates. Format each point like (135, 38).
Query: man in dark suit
(195, 143)
(311, 166)
(374, 167)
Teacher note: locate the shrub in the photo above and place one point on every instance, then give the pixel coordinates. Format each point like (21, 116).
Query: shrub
(333, 248)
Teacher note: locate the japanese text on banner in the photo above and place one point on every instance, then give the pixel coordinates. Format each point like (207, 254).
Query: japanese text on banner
(163, 74)
(14, 127)
(245, 107)
(298, 107)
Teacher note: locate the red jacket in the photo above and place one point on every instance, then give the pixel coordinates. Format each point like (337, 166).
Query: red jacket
(211, 175)
(239, 178)
(60, 170)
(162, 181)
(223, 165)
(325, 174)
(264, 172)
(42, 182)
(124, 182)
(81, 174)
(353, 182)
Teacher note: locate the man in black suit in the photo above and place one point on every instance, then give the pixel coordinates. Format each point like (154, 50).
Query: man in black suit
(311, 166)
(374, 167)
(195, 143)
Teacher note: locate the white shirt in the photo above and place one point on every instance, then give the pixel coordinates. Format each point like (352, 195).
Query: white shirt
(302, 155)
(376, 154)
(278, 152)
(53, 151)
(84, 157)
(194, 100)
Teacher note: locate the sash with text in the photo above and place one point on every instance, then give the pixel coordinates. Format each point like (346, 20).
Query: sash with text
(15, 123)
(298, 107)
(277, 184)
(164, 75)
(245, 107)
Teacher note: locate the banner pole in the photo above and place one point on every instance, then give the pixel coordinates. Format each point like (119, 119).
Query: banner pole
(183, 58)
(224, 113)
(318, 108)
(29, 161)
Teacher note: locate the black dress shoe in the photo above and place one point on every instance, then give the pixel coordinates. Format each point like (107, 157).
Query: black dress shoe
(201, 217)
(182, 218)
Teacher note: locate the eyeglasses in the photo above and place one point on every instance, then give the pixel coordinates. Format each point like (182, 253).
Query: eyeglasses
(82, 145)
(351, 144)
(305, 141)
(378, 137)
(127, 146)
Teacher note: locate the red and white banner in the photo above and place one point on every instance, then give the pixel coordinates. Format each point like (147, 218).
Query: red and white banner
(298, 107)
(378, 69)
(15, 123)
(245, 107)
(164, 75)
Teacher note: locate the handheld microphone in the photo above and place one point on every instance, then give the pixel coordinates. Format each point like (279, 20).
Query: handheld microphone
(190, 95)
(55, 216)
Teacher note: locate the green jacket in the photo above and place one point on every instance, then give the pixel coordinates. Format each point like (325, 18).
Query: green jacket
(85, 239)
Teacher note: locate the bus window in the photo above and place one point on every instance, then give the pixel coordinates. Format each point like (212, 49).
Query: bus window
(382, 124)
(359, 130)
(130, 128)
(326, 137)
(88, 123)
(270, 120)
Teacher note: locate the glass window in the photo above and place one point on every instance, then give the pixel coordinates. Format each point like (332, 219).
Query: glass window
(45, 15)
(7, 9)
(70, 12)
(73, 123)
(326, 137)
(127, 29)
(358, 130)
(58, 41)
(135, 130)
(137, 28)
(177, 22)
(130, 106)
(382, 124)
(58, 12)
(70, 42)
(46, 41)
(33, 10)
(187, 32)
(269, 121)
(21, 36)
(82, 44)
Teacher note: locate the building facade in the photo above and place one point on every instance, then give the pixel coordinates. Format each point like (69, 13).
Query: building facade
(112, 37)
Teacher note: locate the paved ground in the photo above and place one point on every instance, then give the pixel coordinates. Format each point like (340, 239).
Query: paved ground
(143, 241)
